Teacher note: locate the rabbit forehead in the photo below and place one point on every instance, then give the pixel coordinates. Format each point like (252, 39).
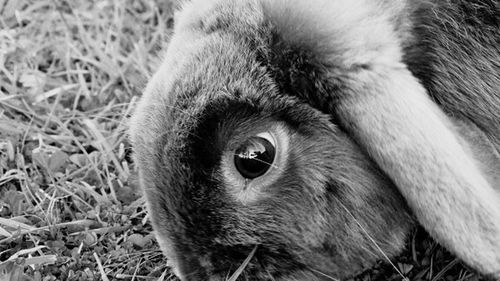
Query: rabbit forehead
(362, 32)
(190, 76)
(206, 32)
(362, 35)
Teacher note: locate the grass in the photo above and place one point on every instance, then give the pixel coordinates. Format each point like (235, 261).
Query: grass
(70, 205)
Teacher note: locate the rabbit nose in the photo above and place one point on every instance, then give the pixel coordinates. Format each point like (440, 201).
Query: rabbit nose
(189, 269)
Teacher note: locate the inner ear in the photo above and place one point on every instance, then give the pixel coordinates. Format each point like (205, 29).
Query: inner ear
(390, 115)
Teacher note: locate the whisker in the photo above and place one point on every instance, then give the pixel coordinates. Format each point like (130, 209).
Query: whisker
(373, 241)
(323, 274)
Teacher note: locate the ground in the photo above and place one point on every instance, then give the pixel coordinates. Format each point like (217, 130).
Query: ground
(71, 72)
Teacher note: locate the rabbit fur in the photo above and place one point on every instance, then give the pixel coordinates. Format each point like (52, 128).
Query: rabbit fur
(386, 114)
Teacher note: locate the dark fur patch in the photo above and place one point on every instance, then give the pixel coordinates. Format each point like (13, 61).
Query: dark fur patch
(453, 40)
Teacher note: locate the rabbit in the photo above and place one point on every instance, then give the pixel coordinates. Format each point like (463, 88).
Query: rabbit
(305, 139)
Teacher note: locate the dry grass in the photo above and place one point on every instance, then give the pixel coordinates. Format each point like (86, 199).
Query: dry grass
(70, 73)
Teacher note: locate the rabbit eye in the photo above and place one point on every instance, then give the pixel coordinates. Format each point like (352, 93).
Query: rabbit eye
(255, 156)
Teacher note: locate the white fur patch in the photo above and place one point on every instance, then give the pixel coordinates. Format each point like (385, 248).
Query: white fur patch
(415, 144)
(344, 32)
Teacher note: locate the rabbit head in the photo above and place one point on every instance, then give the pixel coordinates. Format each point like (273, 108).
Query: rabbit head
(255, 139)
(316, 205)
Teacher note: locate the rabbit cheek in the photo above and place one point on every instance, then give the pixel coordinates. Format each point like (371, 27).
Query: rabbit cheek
(180, 259)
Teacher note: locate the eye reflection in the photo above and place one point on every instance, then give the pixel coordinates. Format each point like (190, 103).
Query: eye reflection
(254, 157)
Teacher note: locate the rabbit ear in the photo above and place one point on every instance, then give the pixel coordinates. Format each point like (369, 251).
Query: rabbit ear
(390, 114)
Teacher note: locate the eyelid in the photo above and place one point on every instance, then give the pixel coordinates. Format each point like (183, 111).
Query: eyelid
(268, 136)
(248, 191)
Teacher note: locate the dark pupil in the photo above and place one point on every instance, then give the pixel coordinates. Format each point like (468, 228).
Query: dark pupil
(254, 157)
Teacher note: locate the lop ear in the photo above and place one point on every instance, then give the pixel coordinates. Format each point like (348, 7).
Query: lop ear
(390, 114)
